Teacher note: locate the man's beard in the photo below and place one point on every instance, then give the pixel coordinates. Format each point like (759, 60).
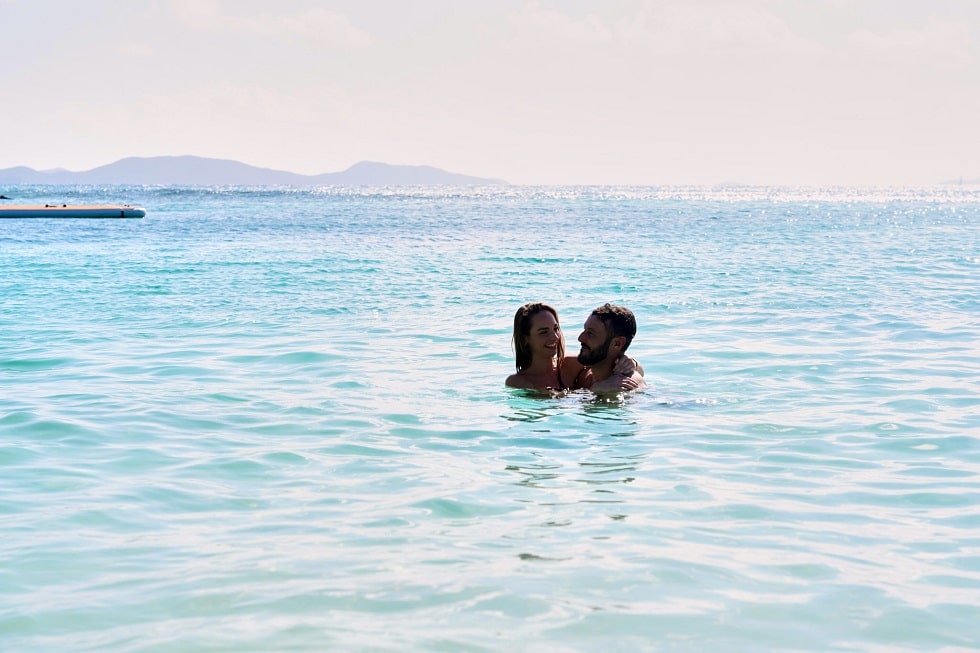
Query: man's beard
(594, 356)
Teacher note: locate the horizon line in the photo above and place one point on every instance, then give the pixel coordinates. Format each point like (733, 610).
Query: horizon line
(961, 181)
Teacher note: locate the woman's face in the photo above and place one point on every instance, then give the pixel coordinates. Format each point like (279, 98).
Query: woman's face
(545, 335)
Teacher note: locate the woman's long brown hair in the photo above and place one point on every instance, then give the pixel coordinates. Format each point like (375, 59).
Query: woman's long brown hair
(522, 329)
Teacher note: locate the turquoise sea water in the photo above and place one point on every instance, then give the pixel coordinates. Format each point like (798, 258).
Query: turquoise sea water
(275, 420)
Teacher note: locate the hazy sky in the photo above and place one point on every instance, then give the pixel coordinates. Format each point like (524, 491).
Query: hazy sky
(538, 92)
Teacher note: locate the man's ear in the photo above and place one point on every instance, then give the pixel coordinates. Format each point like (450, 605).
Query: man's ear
(619, 342)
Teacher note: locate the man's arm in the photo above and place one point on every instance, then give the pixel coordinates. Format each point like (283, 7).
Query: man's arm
(627, 375)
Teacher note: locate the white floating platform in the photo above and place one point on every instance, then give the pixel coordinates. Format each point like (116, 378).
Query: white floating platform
(69, 211)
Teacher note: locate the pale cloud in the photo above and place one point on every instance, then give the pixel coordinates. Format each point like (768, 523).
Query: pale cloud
(942, 37)
(317, 25)
(674, 26)
(679, 27)
(203, 15)
(136, 50)
(589, 29)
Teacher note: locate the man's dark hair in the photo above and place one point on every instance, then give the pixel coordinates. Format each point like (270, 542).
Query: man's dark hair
(618, 320)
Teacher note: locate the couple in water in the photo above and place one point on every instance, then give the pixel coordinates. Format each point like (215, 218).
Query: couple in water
(602, 364)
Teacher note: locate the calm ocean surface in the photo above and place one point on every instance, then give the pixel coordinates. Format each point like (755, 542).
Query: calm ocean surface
(275, 420)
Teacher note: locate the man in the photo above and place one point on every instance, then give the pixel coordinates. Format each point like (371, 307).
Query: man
(607, 335)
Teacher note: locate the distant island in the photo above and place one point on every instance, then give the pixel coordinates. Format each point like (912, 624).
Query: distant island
(201, 171)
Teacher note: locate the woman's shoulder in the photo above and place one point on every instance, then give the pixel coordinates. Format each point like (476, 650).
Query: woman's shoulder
(518, 380)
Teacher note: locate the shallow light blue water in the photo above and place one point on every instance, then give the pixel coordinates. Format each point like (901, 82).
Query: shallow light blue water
(269, 420)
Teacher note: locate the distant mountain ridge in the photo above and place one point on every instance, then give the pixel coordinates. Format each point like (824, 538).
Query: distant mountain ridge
(202, 171)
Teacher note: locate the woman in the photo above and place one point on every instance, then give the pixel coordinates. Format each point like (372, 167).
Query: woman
(540, 349)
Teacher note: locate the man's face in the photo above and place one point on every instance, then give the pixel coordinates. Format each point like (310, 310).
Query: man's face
(595, 342)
